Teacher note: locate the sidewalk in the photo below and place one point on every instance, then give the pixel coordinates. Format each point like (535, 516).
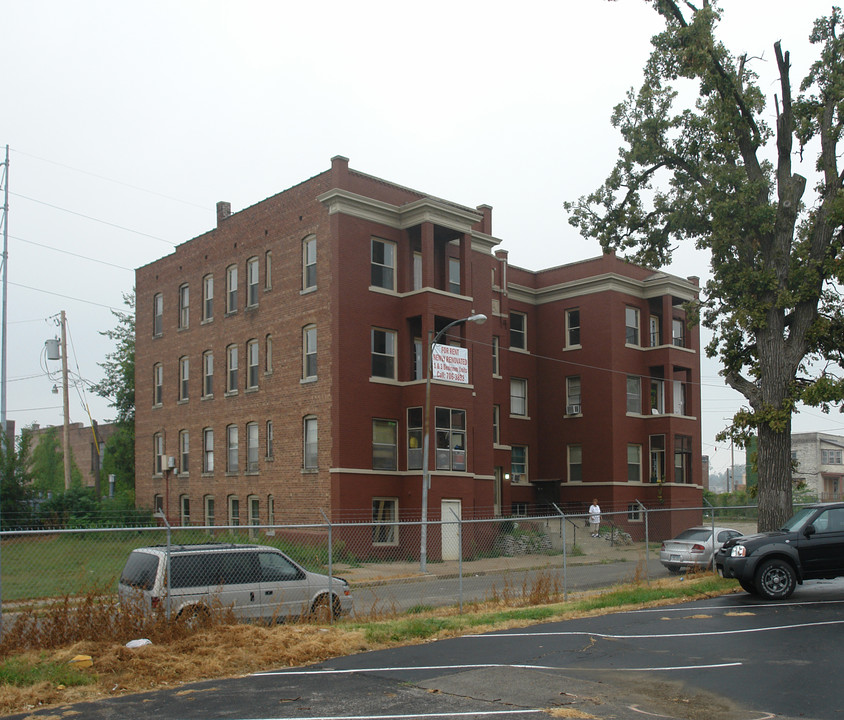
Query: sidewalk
(593, 551)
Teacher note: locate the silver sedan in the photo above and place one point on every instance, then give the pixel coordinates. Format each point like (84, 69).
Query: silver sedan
(693, 548)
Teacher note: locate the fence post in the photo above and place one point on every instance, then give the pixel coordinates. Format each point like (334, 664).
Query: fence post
(161, 516)
(647, 544)
(565, 556)
(330, 569)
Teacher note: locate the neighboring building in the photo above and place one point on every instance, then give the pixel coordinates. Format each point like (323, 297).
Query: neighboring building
(281, 363)
(705, 469)
(818, 461)
(85, 450)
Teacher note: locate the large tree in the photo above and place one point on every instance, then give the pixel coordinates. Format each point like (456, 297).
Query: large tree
(118, 386)
(717, 175)
(15, 481)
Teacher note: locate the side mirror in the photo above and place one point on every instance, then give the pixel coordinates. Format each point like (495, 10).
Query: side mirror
(809, 530)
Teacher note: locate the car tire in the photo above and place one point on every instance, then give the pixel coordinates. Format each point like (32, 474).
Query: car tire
(320, 610)
(775, 579)
(748, 587)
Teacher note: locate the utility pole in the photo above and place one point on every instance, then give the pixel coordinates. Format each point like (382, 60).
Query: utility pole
(5, 264)
(66, 433)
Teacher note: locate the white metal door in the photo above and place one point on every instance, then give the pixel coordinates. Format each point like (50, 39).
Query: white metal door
(451, 511)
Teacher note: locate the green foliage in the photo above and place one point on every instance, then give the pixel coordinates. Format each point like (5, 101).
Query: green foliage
(119, 459)
(15, 481)
(701, 174)
(20, 673)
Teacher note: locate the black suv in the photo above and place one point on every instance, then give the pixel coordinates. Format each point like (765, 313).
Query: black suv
(809, 546)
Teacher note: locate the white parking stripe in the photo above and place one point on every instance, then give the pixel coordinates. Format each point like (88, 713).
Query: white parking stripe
(478, 714)
(355, 671)
(615, 636)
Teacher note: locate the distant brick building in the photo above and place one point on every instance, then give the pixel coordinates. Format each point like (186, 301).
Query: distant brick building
(86, 452)
(818, 460)
(281, 362)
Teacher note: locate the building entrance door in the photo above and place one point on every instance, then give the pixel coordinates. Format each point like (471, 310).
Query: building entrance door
(450, 512)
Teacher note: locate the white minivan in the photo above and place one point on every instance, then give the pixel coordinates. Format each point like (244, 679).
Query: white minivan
(255, 581)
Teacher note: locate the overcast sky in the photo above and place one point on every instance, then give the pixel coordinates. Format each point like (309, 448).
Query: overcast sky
(128, 121)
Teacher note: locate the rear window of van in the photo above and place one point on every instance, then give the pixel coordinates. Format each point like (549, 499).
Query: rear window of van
(140, 570)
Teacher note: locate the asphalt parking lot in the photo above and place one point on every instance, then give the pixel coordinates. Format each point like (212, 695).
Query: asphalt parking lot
(726, 658)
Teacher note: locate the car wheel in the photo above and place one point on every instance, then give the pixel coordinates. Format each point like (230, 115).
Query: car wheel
(748, 587)
(320, 612)
(775, 579)
(195, 616)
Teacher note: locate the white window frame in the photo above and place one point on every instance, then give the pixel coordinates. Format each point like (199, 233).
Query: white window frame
(634, 399)
(454, 285)
(159, 458)
(572, 329)
(309, 263)
(232, 449)
(157, 385)
(234, 510)
(309, 352)
(184, 510)
(522, 477)
(208, 508)
(184, 378)
(252, 447)
(184, 452)
(521, 334)
(231, 289)
(574, 462)
(208, 298)
(252, 364)
(157, 315)
(231, 369)
(253, 273)
(634, 462)
(382, 461)
(310, 443)
(518, 398)
(207, 450)
(207, 374)
(574, 395)
(632, 334)
(184, 306)
(383, 272)
(383, 345)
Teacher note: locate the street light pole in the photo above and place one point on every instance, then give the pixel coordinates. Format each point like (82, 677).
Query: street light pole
(478, 318)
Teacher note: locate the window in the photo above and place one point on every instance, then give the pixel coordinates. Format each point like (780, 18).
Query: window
(417, 271)
(158, 463)
(573, 406)
(634, 512)
(518, 397)
(268, 270)
(208, 298)
(309, 352)
(518, 509)
(184, 307)
(252, 364)
(157, 384)
(418, 369)
(678, 333)
(496, 424)
(451, 439)
(384, 438)
(454, 275)
(310, 456)
(657, 396)
(254, 505)
(252, 282)
(654, 322)
(631, 326)
(207, 373)
(657, 443)
(830, 457)
(634, 394)
(231, 289)
(679, 397)
(184, 452)
(269, 439)
(209, 510)
(234, 510)
(518, 463)
(682, 459)
(231, 449)
(573, 328)
(158, 503)
(383, 264)
(252, 447)
(385, 515)
(383, 353)
(575, 453)
(309, 267)
(231, 369)
(270, 510)
(634, 463)
(414, 438)
(496, 356)
(157, 314)
(208, 451)
(268, 354)
(518, 331)
(184, 509)
(184, 376)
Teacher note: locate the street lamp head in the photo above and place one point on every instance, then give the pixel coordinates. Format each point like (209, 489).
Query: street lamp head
(480, 318)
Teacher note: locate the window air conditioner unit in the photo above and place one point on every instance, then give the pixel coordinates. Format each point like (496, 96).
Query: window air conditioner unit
(171, 462)
(573, 409)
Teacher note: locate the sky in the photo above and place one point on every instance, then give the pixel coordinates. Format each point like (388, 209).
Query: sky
(128, 121)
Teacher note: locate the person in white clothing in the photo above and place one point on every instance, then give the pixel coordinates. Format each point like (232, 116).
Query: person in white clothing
(595, 517)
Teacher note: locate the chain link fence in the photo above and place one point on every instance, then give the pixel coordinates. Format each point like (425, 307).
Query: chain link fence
(512, 560)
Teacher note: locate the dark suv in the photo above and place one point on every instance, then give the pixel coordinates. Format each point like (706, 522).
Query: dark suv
(809, 546)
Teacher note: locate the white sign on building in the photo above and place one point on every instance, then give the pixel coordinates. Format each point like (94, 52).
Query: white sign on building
(450, 363)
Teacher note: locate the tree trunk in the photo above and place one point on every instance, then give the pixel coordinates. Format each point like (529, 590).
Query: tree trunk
(774, 484)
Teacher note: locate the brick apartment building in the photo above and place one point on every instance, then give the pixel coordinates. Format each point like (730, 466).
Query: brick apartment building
(281, 362)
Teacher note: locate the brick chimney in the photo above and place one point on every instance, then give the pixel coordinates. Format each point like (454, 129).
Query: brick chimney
(224, 209)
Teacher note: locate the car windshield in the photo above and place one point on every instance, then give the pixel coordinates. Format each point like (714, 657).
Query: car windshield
(798, 520)
(694, 534)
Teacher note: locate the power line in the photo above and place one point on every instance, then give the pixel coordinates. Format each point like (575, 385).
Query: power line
(67, 297)
(68, 252)
(89, 217)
